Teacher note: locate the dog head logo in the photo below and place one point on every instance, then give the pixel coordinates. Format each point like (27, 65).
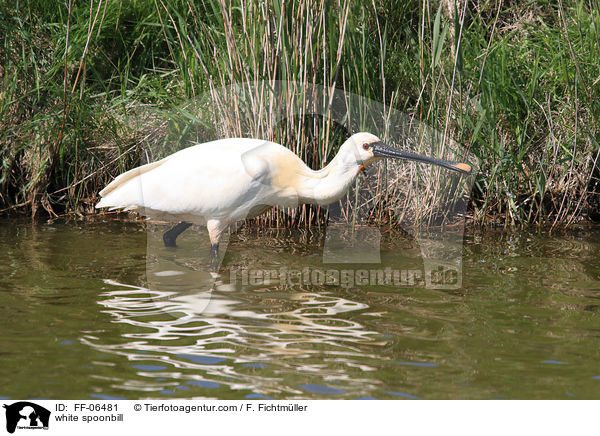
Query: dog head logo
(25, 414)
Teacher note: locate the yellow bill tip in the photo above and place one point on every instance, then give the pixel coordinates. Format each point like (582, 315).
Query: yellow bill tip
(463, 167)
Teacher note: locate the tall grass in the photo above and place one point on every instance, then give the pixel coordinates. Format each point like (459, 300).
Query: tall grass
(89, 89)
(532, 111)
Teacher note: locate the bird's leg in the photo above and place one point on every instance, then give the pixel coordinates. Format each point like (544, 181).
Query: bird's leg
(170, 235)
(214, 257)
(215, 228)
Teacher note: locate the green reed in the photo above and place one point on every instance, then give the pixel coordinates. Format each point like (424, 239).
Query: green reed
(90, 89)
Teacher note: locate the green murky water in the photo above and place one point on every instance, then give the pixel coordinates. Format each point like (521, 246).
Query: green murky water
(102, 310)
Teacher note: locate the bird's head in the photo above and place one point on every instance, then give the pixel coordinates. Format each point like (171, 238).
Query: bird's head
(365, 148)
(359, 149)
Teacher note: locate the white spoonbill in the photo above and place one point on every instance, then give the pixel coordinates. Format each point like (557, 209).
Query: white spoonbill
(220, 182)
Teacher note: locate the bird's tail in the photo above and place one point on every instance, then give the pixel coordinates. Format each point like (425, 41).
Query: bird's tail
(122, 192)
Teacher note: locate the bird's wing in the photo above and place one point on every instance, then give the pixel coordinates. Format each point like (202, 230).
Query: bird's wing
(127, 176)
(207, 180)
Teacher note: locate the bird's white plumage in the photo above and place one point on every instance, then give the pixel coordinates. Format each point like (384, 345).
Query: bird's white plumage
(188, 185)
(231, 179)
(224, 181)
(220, 182)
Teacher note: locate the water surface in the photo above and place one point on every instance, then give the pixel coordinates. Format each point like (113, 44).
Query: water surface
(100, 310)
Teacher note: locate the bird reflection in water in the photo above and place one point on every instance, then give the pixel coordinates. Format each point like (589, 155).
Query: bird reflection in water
(232, 338)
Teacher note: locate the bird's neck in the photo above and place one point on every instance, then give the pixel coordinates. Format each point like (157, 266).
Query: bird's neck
(329, 184)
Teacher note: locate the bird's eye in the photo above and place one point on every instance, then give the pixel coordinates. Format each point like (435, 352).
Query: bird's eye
(366, 146)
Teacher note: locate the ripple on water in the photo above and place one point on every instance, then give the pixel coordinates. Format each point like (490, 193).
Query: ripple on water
(106, 397)
(197, 341)
(203, 360)
(256, 365)
(421, 364)
(320, 389)
(204, 384)
(149, 367)
(403, 395)
(258, 397)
